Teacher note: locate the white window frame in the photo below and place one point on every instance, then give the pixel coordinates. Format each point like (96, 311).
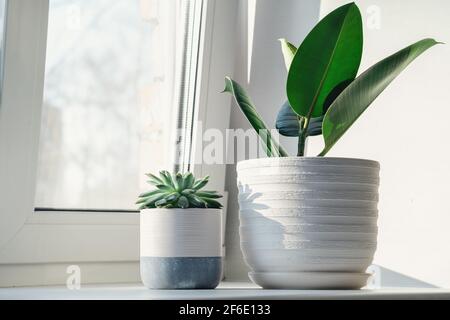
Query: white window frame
(37, 248)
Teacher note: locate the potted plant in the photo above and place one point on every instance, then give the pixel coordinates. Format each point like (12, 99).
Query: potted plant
(180, 233)
(311, 222)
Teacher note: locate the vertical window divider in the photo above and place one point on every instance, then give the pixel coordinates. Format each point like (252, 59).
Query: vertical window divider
(188, 82)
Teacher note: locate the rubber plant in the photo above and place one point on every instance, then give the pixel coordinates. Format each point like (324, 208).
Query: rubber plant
(325, 95)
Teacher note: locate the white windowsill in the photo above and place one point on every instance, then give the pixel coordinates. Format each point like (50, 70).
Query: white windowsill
(226, 290)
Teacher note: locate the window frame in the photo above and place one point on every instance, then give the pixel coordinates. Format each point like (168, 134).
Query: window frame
(36, 248)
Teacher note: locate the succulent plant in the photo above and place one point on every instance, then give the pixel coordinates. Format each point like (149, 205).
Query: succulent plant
(178, 191)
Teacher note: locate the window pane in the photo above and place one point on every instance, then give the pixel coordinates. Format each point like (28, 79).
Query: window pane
(107, 110)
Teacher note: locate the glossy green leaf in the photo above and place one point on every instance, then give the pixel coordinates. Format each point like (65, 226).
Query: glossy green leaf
(358, 96)
(200, 183)
(188, 180)
(167, 178)
(152, 199)
(179, 181)
(172, 197)
(288, 123)
(209, 194)
(315, 127)
(210, 203)
(289, 51)
(160, 203)
(154, 179)
(271, 147)
(186, 192)
(196, 201)
(329, 56)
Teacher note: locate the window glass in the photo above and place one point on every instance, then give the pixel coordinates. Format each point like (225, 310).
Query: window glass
(108, 101)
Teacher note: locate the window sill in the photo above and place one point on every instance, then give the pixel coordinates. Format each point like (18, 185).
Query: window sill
(226, 290)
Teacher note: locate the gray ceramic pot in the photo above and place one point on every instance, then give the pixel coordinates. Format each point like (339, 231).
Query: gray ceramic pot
(181, 248)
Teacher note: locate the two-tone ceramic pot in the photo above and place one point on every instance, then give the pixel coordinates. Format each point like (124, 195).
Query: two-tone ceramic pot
(181, 248)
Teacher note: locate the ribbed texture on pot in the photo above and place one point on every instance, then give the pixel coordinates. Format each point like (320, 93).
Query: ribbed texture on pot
(308, 214)
(181, 233)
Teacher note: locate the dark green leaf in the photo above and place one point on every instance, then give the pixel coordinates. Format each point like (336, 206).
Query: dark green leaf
(164, 187)
(271, 147)
(183, 202)
(186, 192)
(160, 203)
(172, 197)
(330, 55)
(288, 123)
(210, 203)
(315, 127)
(358, 96)
(196, 201)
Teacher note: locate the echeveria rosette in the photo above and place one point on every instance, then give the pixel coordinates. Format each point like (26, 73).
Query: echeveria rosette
(178, 191)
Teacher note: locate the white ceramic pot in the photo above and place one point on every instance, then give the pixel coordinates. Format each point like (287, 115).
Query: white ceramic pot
(304, 215)
(181, 248)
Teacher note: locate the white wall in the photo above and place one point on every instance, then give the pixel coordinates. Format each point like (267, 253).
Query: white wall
(407, 130)
(274, 19)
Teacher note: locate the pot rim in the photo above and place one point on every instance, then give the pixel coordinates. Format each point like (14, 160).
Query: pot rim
(325, 160)
(184, 211)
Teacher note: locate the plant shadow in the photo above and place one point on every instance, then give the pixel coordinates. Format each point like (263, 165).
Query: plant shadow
(257, 224)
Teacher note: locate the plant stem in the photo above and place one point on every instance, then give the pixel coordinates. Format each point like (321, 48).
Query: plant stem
(303, 129)
(301, 146)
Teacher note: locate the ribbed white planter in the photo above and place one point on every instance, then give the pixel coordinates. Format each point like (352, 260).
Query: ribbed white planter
(181, 248)
(307, 221)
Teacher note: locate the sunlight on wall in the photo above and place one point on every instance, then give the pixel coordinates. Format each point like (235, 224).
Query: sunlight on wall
(251, 7)
(406, 130)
